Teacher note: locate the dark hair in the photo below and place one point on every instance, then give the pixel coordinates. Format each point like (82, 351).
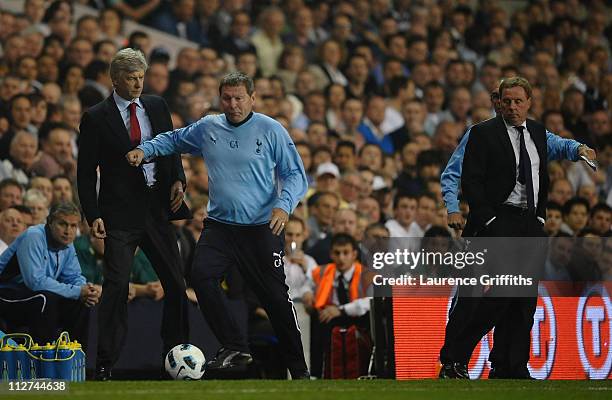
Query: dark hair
(403, 195)
(397, 83)
(62, 208)
(9, 182)
(100, 43)
(341, 239)
(600, 207)
(437, 231)
(553, 205)
(48, 127)
(567, 207)
(22, 209)
(237, 78)
(95, 68)
(348, 144)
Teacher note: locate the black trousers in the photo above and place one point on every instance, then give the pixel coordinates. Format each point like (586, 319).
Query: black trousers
(470, 318)
(158, 241)
(46, 314)
(258, 254)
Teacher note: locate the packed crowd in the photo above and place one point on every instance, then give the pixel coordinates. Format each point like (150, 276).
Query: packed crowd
(375, 94)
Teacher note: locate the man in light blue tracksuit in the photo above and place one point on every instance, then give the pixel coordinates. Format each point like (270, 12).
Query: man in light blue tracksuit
(41, 285)
(256, 178)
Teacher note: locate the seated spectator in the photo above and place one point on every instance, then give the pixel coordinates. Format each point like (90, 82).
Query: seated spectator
(62, 189)
(601, 219)
(559, 254)
(404, 210)
(44, 186)
(23, 153)
(11, 226)
(298, 265)
(560, 191)
(26, 215)
(41, 284)
(322, 206)
(57, 153)
(11, 193)
(38, 203)
(342, 297)
(180, 19)
(371, 127)
(554, 218)
(344, 221)
(575, 215)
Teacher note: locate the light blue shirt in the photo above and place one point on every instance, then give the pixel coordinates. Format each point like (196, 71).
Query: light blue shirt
(146, 132)
(43, 268)
(558, 149)
(252, 168)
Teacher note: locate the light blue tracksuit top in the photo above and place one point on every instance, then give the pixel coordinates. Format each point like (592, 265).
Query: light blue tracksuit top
(252, 168)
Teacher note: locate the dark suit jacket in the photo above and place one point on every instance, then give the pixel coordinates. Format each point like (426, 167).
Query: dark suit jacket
(489, 171)
(124, 197)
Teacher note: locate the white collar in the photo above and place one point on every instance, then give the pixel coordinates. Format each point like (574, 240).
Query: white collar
(508, 126)
(123, 104)
(347, 275)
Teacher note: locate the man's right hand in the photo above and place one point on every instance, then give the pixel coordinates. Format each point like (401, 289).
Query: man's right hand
(456, 221)
(89, 295)
(97, 229)
(135, 157)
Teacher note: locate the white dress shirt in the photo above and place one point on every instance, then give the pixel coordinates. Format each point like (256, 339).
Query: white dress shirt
(357, 307)
(518, 196)
(146, 132)
(299, 282)
(396, 229)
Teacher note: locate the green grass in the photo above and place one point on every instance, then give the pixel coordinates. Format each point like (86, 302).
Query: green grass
(334, 390)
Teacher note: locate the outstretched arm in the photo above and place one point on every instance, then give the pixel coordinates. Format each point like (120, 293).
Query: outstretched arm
(182, 140)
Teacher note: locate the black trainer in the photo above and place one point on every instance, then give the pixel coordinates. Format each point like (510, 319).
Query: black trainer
(103, 373)
(454, 371)
(304, 375)
(227, 358)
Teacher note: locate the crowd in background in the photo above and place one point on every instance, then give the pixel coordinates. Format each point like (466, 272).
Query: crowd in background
(375, 94)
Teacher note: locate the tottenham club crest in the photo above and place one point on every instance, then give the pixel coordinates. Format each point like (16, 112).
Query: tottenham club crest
(258, 149)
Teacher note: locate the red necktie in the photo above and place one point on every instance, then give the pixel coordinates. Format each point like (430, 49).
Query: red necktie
(134, 126)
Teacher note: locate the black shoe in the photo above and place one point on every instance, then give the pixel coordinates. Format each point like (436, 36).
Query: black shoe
(226, 359)
(454, 371)
(304, 375)
(499, 373)
(103, 373)
(522, 373)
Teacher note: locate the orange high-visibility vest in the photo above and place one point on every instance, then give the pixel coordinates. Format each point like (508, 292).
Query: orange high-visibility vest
(324, 276)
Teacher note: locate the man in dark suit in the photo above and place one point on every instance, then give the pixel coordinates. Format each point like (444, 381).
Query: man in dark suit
(134, 205)
(505, 182)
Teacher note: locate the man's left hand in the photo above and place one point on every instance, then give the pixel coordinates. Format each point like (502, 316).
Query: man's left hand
(329, 313)
(278, 220)
(588, 152)
(176, 196)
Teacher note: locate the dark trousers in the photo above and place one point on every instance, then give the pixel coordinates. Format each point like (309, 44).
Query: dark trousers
(258, 255)
(46, 314)
(470, 318)
(158, 241)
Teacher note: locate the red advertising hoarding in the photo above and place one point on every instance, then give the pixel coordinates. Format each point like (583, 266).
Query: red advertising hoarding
(570, 338)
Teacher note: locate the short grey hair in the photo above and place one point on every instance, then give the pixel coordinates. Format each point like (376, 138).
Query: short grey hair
(237, 79)
(125, 61)
(62, 208)
(35, 196)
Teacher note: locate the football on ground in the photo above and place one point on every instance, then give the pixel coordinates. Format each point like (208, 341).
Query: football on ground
(185, 362)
